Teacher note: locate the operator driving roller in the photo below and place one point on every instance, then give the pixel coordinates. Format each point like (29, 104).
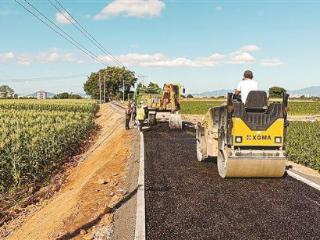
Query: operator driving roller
(246, 85)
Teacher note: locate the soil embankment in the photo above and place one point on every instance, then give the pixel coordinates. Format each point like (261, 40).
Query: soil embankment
(92, 192)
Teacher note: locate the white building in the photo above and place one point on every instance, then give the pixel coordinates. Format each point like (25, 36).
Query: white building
(42, 95)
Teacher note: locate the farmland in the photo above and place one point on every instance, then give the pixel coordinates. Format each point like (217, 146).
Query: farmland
(295, 107)
(198, 107)
(303, 143)
(37, 136)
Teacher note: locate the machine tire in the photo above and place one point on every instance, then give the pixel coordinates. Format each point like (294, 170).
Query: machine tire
(222, 156)
(175, 121)
(222, 163)
(201, 143)
(152, 119)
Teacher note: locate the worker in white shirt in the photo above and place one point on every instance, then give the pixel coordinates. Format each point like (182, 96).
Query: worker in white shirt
(246, 85)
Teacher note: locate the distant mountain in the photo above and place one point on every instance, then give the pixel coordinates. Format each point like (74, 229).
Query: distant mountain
(215, 93)
(49, 94)
(308, 92)
(83, 95)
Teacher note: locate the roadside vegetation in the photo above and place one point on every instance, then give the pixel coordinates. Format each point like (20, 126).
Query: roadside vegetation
(38, 136)
(66, 95)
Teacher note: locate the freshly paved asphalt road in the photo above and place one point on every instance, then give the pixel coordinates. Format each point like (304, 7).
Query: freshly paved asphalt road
(186, 199)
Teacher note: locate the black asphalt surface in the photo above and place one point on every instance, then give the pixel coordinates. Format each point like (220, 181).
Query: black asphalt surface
(186, 199)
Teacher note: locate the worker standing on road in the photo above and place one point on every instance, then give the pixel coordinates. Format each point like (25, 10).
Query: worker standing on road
(128, 116)
(246, 85)
(134, 112)
(141, 115)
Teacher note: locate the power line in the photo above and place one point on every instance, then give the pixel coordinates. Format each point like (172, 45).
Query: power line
(68, 35)
(54, 27)
(80, 28)
(62, 33)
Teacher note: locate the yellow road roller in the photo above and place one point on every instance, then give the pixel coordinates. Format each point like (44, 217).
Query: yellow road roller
(248, 139)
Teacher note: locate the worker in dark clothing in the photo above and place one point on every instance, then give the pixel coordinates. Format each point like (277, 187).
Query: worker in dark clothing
(134, 112)
(128, 116)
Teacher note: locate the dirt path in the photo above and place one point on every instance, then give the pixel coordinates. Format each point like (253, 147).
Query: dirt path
(85, 203)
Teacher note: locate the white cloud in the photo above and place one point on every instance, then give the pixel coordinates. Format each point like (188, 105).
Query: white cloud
(50, 56)
(6, 57)
(64, 18)
(55, 55)
(249, 48)
(271, 62)
(132, 8)
(241, 58)
(161, 60)
(24, 59)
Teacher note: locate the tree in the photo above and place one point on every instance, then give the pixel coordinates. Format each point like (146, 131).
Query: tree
(115, 77)
(276, 92)
(6, 91)
(153, 88)
(66, 95)
(189, 96)
(140, 89)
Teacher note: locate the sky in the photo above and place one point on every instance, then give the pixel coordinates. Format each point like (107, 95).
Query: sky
(202, 44)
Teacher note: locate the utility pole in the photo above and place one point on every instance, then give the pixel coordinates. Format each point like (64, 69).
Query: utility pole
(141, 78)
(104, 88)
(100, 86)
(122, 88)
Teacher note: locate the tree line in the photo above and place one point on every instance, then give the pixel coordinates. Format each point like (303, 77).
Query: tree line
(114, 81)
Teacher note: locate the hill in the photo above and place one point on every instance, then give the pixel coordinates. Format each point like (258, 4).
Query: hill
(308, 92)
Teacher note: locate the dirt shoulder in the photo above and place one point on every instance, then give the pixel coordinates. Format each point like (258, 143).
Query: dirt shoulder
(125, 216)
(94, 189)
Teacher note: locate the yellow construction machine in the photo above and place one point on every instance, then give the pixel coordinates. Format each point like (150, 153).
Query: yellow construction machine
(168, 101)
(248, 138)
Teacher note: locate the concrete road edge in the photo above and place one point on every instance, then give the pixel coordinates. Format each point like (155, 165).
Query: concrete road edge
(140, 232)
(303, 179)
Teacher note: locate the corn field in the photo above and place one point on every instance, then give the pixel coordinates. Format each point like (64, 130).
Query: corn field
(38, 136)
(50, 105)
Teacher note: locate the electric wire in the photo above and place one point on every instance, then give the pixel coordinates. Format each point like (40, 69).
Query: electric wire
(62, 33)
(80, 28)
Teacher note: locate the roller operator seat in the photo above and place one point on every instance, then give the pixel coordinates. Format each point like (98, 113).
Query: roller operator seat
(256, 113)
(257, 101)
